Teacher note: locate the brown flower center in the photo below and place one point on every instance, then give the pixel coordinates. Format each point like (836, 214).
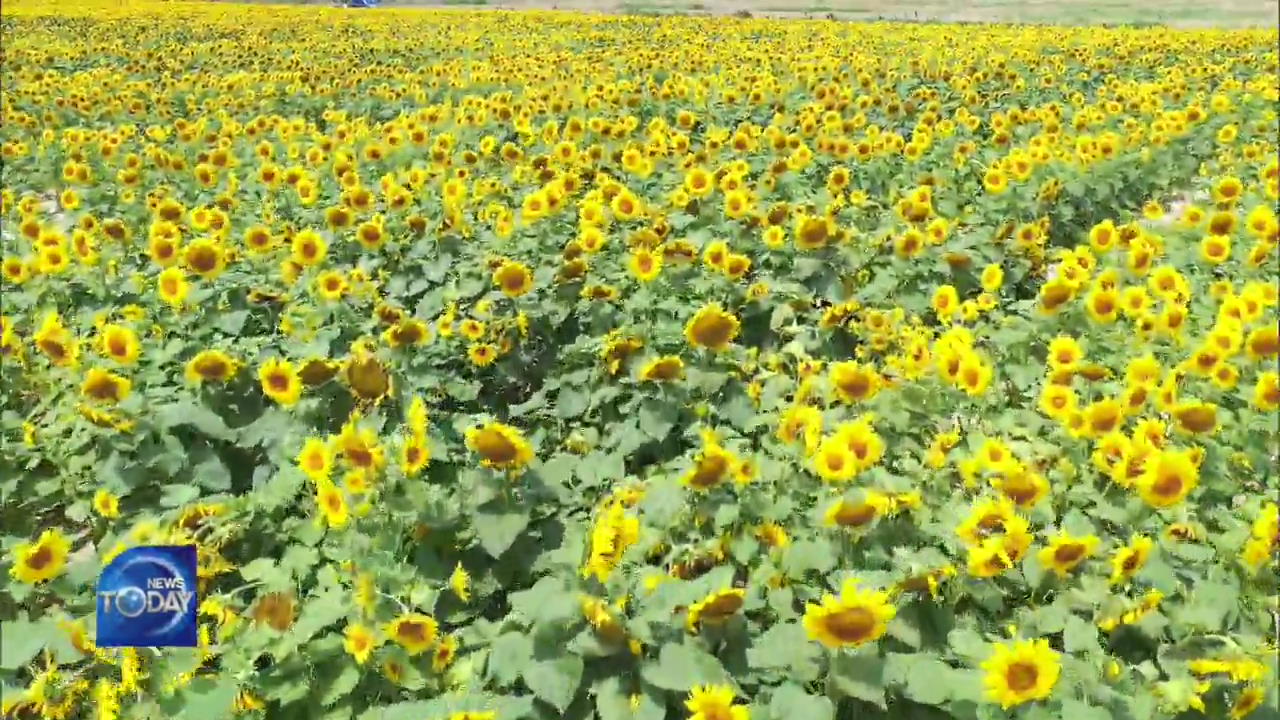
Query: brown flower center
(853, 625)
(1022, 676)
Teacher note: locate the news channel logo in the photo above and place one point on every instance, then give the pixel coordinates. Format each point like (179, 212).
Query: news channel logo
(147, 598)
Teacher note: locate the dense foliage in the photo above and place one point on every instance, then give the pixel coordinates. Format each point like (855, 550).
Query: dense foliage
(535, 365)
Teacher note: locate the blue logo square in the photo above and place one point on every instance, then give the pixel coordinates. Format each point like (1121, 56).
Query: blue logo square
(147, 598)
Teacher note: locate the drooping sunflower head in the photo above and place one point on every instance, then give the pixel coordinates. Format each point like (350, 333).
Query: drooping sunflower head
(500, 446)
(715, 608)
(365, 375)
(712, 328)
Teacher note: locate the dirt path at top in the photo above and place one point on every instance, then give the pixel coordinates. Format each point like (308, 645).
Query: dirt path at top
(1176, 13)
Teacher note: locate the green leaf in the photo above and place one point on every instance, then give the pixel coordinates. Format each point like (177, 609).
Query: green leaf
(657, 417)
(572, 403)
(791, 701)
(299, 560)
(197, 416)
(905, 627)
(231, 323)
(508, 656)
(497, 529)
(318, 613)
(549, 601)
(859, 675)
(555, 681)
(21, 640)
(785, 646)
(613, 703)
(969, 644)
(172, 496)
(680, 667)
(664, 502)
(404, 711)
(558, 471)
(339, 681)
(258, 569)
(927, 678)
(806, 555)
(209, 699)
(1080, 635)
(1077, 710)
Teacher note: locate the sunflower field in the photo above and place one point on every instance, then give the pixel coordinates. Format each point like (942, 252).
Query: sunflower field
(536, 365)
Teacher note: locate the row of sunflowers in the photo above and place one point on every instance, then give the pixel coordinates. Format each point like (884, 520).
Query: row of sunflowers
(515, 365)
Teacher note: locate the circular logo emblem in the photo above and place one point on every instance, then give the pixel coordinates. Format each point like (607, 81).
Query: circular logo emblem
(131, 601)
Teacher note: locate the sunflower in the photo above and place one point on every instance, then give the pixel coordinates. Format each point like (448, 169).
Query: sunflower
(163, 249)
(645, 264)
(332, 504)
(103, 386)
(1266, 393)
(813, 232)
(995, 181)
(1169, 477)
(1196, 417)
(974, 375)
(1020, 672)
(445, 651)
(331, 285)
(500, 446)
(1024, 486)
(280, 381)
(359, 446)
(662, 369)
(317, 371)
(16, 270)
(315, 459)
(712, 465)
(407, 332)
(1065, 552)
(205, 258)
(1129, 559)
(998, 553)
(858, 515)
(414, 455)
(863, 442)
(119, 343)
(482, 354)
(987, 517)
(106, 503)
(1065, 353)
(1249, 699)
(42, 560)
(513, 278)
(308, 249)
(56, 342)
(211, 366)
(460, 583)
(712, 328)
(414, 632)
(855, 618)
(471, 329)
(714, 254)
(714, 702)
(359, 642)
(854, 382)
(715, 608)
(834, 462)
(172, 286)
(365, 375)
